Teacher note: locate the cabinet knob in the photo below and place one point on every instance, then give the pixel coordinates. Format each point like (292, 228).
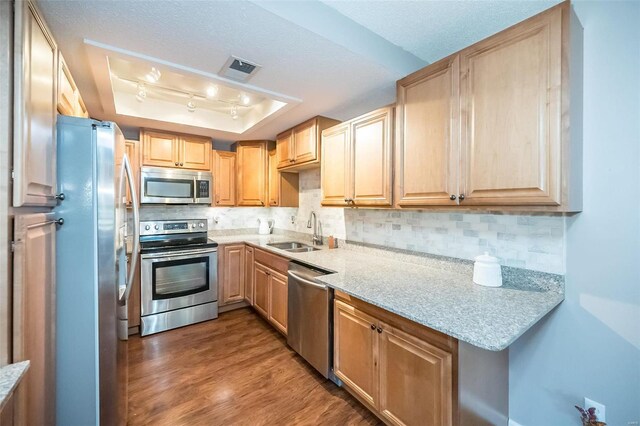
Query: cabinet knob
(452, 197)
(181, 164)
(379, 330)
(262, 203)
(461, 196)
(373, 326)
(292, 161)
(177, 164)
(346, 200)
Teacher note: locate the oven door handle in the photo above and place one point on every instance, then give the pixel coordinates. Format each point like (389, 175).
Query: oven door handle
(136, 227)
(183, 253)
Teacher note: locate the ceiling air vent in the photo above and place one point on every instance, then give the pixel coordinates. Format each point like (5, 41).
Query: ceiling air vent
(239, 69)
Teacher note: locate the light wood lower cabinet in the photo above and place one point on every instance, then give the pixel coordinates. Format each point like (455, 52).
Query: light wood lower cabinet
(405, 376)
(34, 316)
(231, 274)
(271, 288)
(133, 304)
(261, 289)
(249, 281)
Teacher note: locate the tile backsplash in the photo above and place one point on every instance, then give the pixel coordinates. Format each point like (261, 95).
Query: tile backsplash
(525, 241)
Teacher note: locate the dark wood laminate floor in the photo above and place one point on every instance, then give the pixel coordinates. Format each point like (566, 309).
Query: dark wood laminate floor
(236, 370)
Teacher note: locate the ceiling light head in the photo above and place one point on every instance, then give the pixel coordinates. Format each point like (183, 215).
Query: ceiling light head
(141, 95)
(245, 99)
(154, 75)
(212, 91)
(234, 112)
(191, 106)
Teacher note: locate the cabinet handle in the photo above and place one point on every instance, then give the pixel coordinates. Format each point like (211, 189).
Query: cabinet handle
(181, 164)
(292, 161)
(452, 197)
(461, 197)
(346, 200)
(262, 203)
(379, 330)
(177, 164)
(373, 326)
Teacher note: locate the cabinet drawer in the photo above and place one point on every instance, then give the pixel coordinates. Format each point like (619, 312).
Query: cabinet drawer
(275, 262)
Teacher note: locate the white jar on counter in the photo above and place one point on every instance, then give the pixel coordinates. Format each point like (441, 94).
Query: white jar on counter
(487, 271)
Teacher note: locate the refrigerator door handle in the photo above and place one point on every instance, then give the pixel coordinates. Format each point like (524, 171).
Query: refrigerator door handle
(136, 227)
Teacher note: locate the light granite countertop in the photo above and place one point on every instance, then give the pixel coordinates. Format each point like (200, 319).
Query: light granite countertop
(10, 376)
(438, 294)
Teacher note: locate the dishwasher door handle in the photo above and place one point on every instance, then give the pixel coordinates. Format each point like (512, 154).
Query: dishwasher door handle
(306, 281)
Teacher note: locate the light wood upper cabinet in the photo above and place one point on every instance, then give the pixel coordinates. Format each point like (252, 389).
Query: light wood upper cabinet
(160, 149)
(283, 188)
(511, 99)
(415, 380)
(511, 89)
(195, 153)
(34, 116)
(232, 264)
(224, 178)
(34, 316)
(355, 351)
(283, 149)
(69, 99)
(299, 148)
(371, 144)
(427, 146)
(357, 161)
(334, 170)
(165, 149)
(248, 274)
(251, 186)
(132, 149)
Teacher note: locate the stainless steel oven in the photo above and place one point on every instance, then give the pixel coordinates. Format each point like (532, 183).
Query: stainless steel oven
(179, 270)
(160, 185)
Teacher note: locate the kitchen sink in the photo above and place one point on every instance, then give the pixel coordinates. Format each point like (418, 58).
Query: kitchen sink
(293, 247)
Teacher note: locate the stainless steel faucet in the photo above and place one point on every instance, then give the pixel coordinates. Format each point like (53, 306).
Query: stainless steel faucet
(317, 238)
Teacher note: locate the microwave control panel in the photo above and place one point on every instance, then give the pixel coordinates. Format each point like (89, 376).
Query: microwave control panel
(203, 189)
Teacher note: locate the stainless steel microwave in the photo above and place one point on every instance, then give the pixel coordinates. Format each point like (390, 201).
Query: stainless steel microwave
(160, 185)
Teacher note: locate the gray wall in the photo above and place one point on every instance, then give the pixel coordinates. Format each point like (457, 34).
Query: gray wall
(590, 346)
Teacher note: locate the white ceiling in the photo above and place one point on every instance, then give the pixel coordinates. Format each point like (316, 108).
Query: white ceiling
(340, 59)
(433, 29)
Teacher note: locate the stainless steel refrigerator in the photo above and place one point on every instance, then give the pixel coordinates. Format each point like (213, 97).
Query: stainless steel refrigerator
(93, 275)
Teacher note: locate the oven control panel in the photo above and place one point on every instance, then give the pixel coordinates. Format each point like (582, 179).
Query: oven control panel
(161, 227)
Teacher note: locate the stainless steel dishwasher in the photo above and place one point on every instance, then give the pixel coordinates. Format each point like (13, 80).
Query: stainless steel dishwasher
(310, 318)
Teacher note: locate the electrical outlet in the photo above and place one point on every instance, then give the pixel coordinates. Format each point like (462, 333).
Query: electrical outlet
(600, 408)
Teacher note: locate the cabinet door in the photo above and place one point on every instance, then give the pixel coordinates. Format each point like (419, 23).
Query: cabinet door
(34, 315)
(278, 297)
(67, 102)
(355, 349)
(335, 165)
(160, 149)
(371, 142)
(274, 179)
(284, 149)
(248, 274)
(305, 143)
(416, 380)
(34, 130)
(261, 289)
(196, 153)
(133, 304)
(511, 115)
(132, 149)
(224, 178)
(427, 153)
(252, 174)
(233, 275)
